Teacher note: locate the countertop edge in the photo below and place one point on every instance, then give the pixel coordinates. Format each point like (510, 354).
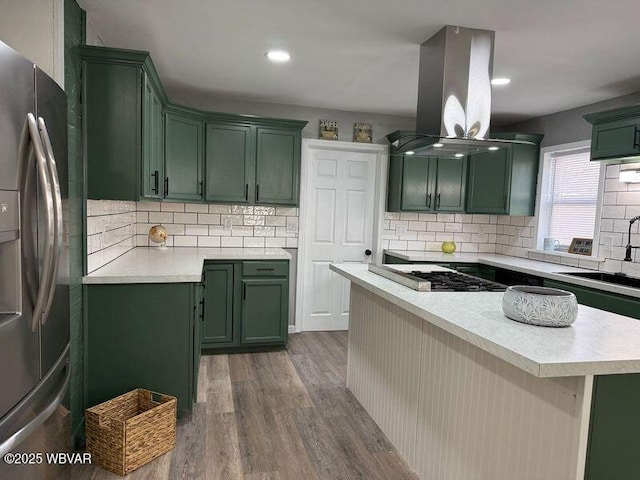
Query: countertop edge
(533, 367)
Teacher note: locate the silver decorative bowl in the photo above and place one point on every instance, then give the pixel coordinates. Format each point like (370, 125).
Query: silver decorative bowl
(547, 307)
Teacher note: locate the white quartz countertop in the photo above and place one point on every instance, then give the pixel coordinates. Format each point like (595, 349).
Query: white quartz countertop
(173, 264)
(552, 271)
(598, 343)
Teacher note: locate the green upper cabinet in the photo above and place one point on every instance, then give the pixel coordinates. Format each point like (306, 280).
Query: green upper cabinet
(426, 184)
(229, 163)
(183, 156)
(252, 160)
(615, 134)
(504, 181)
(418, 176)
(451, 180)
(277, 166)
(123, 101)
(153, 143)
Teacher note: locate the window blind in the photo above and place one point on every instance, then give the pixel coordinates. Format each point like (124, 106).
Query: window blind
(571, 196)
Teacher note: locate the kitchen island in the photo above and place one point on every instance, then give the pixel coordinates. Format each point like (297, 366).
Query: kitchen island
(464, 393)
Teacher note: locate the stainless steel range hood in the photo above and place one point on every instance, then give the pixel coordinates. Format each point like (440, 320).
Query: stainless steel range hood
(454, 96)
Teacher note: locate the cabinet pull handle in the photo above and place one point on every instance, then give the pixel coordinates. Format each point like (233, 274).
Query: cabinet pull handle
(438, 204)
(429, 201)
(257, 193)
(265, 269)
(246, 192)
(155, 188)
(636, 139)
(200, 188)
(244, 291)
(166, 186)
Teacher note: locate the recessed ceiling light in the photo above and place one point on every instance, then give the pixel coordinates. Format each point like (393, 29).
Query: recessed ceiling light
(278, 56)
(438, 145)
(410, 152)
(459, 155)
(493, 148)
(501, 81)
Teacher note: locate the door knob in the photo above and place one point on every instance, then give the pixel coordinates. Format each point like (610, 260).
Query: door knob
(367, 252)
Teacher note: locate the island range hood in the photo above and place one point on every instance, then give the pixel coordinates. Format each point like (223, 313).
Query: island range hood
(454, 96)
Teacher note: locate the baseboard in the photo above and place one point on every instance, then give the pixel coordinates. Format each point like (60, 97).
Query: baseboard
(292, 329)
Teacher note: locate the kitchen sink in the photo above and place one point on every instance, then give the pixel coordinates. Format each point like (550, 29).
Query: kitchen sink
(615, 278)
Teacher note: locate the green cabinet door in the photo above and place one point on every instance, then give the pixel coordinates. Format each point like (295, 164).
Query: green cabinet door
(488, 182)
(139, 336)
(183, 157)
(277, 166)
(152, 143)
(418, 178)
(615, 139)
(265, 307)
(112, 111)
(218, 324)
(611, 302)
(229, 163)
(451, 179)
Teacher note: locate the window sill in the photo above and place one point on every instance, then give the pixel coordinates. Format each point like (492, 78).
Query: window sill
(561, 254)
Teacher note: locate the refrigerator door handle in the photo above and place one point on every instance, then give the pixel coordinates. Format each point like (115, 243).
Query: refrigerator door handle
(57, 201)
(29, 255)
(47, 264)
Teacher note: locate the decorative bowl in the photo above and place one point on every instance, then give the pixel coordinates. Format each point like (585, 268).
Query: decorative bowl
(158, 234)
(546, 307)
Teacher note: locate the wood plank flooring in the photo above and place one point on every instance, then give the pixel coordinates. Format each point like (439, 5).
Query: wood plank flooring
(284, 415)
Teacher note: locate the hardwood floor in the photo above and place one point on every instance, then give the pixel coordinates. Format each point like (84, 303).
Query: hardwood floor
(284, 415)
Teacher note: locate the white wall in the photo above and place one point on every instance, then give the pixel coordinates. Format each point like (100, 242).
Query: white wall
(35, 28)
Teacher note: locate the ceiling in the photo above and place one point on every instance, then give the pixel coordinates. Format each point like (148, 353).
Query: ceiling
(362, 56)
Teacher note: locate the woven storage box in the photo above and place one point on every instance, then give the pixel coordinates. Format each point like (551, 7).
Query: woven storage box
(131, 430)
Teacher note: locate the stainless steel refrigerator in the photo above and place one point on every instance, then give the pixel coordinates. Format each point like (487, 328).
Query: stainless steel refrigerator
(34, 265)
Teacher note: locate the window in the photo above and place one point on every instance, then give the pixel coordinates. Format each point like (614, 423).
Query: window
(568, 195)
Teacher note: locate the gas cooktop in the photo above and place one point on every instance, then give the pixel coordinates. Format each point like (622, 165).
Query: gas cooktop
(458, 282)
(436, 279)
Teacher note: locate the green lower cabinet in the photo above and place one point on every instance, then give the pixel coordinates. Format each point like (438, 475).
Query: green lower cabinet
(217, 323)
(140, 336)
(265, 305)
(611, 302)
(246, 304)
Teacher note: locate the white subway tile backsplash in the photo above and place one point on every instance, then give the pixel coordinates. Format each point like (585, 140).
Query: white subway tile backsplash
(219, 231)
(242, 231)
(287, 211)
(426, 236)
(253, 220)
(398, 245)
(260, 210)
(148, 206)
(415, 245)
(276, 221)
(254, 242)
(446, 217)
(260, 231)
(612, 171)
(222, 209)
(185, 241)
(200, 230)
(417, 226)
(231, 242)
(453, 227)
(196, 208)
(242, 209)
(427, 217)
(408, 216)
(629, 198)
(209, 241)
(614, 185)
(209, 218)
(275, 242)
(160, 217)
(435, 227)
(185, 218)
(142, 217)
(174, 229)
(292, 242)
(171, 207)
(482, 218)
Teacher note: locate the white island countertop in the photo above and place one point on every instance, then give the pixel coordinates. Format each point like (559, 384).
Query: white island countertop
(598, 343)
(173, 264)
(553, 271)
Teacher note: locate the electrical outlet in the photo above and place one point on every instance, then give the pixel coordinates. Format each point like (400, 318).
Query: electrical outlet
(227, 223)
(292, 224)
(607, 242)
(401, 228)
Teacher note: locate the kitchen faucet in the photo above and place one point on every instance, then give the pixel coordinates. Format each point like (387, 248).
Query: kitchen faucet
(627, 257)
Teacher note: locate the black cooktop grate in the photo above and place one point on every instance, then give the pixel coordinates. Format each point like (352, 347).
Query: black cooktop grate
(458, 282)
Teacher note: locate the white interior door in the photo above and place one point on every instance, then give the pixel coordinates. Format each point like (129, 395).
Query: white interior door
(337, 226)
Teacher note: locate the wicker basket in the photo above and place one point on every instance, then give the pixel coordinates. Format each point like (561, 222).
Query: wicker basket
(130, 430)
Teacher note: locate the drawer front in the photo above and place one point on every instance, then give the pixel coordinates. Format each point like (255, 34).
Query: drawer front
(265, 269)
